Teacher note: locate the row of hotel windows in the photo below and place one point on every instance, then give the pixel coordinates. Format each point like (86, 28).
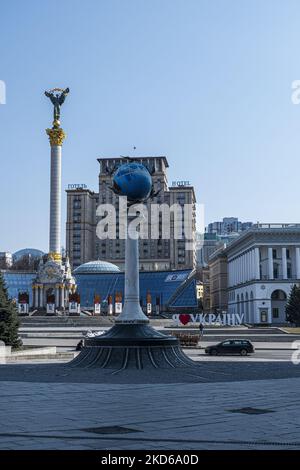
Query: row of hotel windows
(106, 166)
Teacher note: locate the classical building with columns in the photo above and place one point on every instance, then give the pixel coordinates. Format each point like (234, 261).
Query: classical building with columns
(263, 265)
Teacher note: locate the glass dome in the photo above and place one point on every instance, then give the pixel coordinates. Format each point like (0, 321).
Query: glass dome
(28, 251)
(98, 266)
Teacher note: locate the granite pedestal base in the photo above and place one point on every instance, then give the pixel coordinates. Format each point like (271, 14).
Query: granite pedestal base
(132, 346)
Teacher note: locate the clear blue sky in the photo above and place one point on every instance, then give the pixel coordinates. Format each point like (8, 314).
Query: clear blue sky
(205, 82)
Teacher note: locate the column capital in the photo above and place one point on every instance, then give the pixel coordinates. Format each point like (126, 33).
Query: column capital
(54, 256)
(56, 136)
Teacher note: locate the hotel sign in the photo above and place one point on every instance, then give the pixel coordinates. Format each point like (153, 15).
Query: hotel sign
(180, 183)
(77, 186)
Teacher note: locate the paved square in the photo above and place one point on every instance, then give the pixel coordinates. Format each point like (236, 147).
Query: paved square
(164, 416)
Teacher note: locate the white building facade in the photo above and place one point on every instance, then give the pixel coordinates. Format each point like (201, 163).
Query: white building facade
(263, 265)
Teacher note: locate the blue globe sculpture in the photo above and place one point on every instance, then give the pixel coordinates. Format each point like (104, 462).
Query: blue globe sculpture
(132, 180)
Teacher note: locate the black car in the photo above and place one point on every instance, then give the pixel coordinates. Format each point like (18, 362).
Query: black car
(231, 346)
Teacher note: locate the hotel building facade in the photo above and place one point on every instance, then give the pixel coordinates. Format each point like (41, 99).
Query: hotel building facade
(161, 254)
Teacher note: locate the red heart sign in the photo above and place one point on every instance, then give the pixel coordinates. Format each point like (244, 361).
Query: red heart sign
(184, 318)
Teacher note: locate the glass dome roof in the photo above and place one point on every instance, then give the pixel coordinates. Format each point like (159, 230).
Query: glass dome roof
(28, 251)
(98, 266)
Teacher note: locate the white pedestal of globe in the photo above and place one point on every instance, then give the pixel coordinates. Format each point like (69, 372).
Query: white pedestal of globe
(132, 312)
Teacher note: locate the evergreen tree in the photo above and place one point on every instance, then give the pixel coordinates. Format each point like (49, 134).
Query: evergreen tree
(9, 319)
(292, 308)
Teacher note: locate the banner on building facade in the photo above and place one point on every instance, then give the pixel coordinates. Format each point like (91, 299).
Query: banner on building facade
(74, 303)
(50, 309)
(118, 303)
(97, 305)
(149, 303)
(118, 307)
(74, 307)
(23, 302)
(23, 308)
(97, 309)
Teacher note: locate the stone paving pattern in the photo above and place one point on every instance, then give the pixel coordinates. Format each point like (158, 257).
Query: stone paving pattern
(50, 407)
(165, 416)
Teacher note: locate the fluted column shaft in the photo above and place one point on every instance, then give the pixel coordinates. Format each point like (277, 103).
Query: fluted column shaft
(55, 200)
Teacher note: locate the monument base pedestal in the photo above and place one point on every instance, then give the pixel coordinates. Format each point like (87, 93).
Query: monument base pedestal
(132, 346)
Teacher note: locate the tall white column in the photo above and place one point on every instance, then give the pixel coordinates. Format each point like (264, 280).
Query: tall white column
(270, 263)
(233, 273)
(256, 263)
(62, 302)
(36, 297)
(252, 264)
(56, 296)
(243, 268)
(298, 262)
(56, 137)
(284, 263)
(55, 200)
(66, 297)
(249, 266)
(41, 296)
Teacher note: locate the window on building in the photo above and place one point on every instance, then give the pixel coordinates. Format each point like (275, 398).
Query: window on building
(274, 253)
(275, 312)
(263, 316)
(288, 254)
(276, 271)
